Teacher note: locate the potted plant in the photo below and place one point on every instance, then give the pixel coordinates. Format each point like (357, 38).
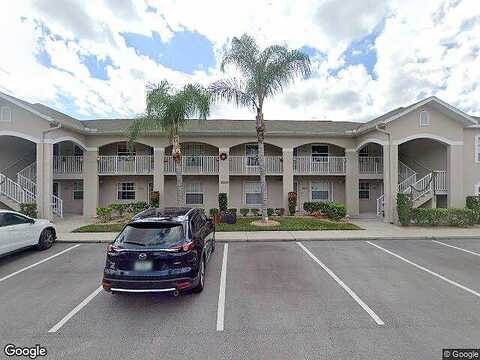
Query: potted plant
(214, 214)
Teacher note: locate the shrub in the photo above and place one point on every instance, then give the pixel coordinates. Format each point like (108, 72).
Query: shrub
(451, 217)
(244, 211)
(292, 202)
(213, 212)
(314, 206)
(119, 208)
(137, 207)
(155, 199)
(254, 211)
(270, 212)
(222, 201)
(334, 211)
(473, 203)
(404, 208)
(232, 211)
(279, 211)
(29, 209)
(104, 214)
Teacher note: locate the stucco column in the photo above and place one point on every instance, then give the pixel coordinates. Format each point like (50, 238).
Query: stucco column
(456, 196)
(44, 180)
(90, 182)
(158, 174)
(224, 173)
(287, 179)
(351, 182)
(390, 181)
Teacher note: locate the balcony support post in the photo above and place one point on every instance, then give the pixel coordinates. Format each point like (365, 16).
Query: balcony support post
(224, 172)
(352, 182)
(158, 174)
(90, 182)
(287, 176)
(44, 180)
(456, 196)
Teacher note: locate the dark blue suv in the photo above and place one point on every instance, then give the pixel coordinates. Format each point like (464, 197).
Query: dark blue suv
(160, 250)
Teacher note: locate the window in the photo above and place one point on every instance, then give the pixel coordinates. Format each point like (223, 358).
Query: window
(77, 150)
(192, 153)
(164, 235)
(77, 190)
(251, 152)
(424, 119)
(5, 114)
(14, 219)
(124, 150)
(363, 151)
(253, 193)
(320, 191)
(56, 149)
(319, 152)
(364, 191)
(126, 191)
(193, 194)
(477, 148)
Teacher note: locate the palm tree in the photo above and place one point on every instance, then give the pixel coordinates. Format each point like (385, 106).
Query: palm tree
(265, 73)
(167, 111)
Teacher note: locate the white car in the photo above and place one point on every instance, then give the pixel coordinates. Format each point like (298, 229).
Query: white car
(19, 231)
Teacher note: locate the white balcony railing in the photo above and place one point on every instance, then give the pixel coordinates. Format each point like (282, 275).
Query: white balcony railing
(67, 164)
(248, 165)
(370, 165)
(193, 165)
(441, 184)
(138, 164)
(325, 165)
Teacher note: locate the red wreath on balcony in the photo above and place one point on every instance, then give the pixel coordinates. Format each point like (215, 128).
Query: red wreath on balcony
(223, 156)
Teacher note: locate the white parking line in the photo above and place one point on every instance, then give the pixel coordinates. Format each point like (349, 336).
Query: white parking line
(427, 270)
(456, 247)
(221, 293)
(38, 263)
(355, 297)
(75, 310)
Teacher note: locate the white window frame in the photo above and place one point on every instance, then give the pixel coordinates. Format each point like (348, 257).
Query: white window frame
(197, 191)
(367, 190)
(477, 148)
(75, 189)
(3, 111)
(424, 121)
(329, 189)
(120, 189)
(245, 184)
(319, 156)
(127, 151)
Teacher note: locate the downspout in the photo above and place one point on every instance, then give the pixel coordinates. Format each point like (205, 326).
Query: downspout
(56, 126)
(381, 128)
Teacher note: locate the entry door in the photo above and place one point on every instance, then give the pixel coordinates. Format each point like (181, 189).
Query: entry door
(55, 189)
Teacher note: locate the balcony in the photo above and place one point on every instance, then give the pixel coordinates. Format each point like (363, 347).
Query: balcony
(248, 165)
(316, 165)
(67, 164)
(370, 165)
(193, 165)
(125, 165)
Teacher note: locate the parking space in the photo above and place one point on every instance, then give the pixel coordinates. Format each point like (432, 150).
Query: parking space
(343, 299)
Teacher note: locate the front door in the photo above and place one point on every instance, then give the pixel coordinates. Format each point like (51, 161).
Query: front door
(55, 189)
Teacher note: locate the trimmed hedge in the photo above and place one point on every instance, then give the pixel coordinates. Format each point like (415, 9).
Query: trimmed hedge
(270, 212)
(473, 203)
(404, 208)
(331, 209)
(29, 209)
(292, 202)
(451, 217)
(104, 214)
(244, 211)
(222, 201)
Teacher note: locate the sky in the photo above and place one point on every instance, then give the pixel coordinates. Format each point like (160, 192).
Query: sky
(94, 58)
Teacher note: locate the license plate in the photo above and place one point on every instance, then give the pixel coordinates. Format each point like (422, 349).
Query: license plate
(143, 266)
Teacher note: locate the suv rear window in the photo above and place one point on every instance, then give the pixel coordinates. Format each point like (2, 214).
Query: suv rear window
(162, 236)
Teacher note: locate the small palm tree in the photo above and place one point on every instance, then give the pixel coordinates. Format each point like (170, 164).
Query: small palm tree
(168, 110)
(265, 73)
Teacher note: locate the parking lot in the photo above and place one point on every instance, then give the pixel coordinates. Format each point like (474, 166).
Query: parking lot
(393, 299)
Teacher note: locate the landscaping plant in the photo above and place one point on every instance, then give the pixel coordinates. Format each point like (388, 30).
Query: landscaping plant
(104, 214)
(222, 202)
(292, 202)
(29, 209)
(404, 208)
(244, 211)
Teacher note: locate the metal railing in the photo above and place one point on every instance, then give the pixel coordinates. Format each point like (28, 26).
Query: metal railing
(381, 205)
(422, 187)
(404, 171)
(370, 165)
(57, 206)
(29, 172)
(26, 183)
(119, 164)
(15, 191)
(67, 164)
(325, 165)
(246, 165)
(441, 184)
(207, 164)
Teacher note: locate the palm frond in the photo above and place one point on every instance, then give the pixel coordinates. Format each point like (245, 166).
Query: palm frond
(243, 54)
(233, 90)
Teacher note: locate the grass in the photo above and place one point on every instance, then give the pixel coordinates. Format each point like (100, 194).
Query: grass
(287, 223)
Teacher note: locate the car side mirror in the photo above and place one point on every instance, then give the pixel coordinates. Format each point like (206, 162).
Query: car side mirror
(31, 221)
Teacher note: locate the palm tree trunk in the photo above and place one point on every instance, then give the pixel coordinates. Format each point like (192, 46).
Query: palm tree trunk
(177, 157)
(261, 163)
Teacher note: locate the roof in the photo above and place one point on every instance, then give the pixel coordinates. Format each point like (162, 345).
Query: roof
(238, 127)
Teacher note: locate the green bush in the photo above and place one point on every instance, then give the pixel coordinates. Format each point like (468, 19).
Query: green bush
(292, 202)
(279, 211)
(314, 206)
(335, 211)
(473, 203)
(451, 217)
(244, 211)
(222, 201)
(270, 212)
(29, 209)
(213, 212)
(404, 208)
(104, 214)
(119, 208)
(255, 211)
(232, 211)
(137, 207)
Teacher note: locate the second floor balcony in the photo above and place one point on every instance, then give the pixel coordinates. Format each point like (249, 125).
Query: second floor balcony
(370, 165)
(193, 165)
(125, 165)
(319, 165)
(249, 165)
(67, 164)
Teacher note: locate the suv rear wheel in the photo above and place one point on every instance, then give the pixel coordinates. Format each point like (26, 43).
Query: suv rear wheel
(201, 281)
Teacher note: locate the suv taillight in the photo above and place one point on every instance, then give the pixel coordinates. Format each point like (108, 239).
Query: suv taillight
(112, 249)
(187, 246)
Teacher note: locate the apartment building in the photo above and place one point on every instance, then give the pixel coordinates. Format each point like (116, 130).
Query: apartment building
(430, 149)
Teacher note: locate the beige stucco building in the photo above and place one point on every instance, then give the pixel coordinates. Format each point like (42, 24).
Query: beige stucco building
(69, 166)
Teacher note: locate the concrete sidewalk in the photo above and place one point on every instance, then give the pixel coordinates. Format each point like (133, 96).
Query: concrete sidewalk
(373, 230)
